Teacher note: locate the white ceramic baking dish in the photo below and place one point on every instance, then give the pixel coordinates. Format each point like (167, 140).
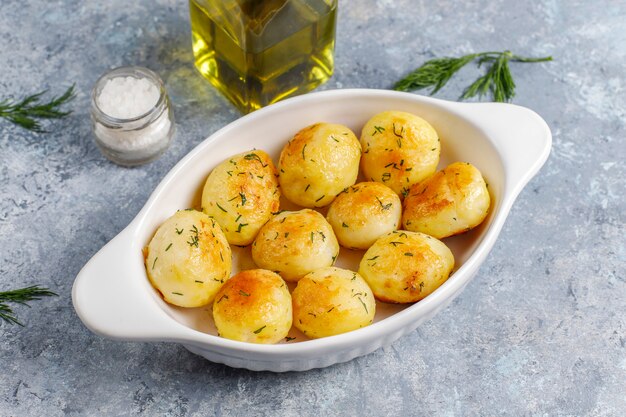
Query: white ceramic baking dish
(113, 297)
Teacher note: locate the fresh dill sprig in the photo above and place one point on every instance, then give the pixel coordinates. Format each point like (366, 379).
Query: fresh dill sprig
(25, 112)
(21, 296)
(434, 73)
(497, 80)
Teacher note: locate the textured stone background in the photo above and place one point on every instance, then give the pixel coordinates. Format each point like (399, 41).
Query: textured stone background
(540, 331)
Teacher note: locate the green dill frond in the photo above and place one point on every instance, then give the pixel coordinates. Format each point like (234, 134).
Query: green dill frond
(498, 79)
(20, 296)
(25, 112)
(434, 73)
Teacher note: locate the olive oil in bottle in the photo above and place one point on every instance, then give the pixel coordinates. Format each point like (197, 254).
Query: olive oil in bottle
(257, 52)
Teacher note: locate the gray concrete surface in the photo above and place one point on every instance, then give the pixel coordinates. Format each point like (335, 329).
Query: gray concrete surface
(541, 331)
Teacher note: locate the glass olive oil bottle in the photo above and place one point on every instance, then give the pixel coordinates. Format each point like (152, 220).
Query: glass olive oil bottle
(257, 52)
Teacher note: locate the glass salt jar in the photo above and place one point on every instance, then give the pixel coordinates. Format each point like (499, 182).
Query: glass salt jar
(131, 116)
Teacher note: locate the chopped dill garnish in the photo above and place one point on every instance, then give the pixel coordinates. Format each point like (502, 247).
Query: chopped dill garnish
(363, 304)
(255, 157)
(194, 237)
(378, 129)
(384, 206)
(221, 208)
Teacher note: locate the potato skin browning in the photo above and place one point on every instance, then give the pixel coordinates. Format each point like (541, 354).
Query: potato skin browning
(318, 163)
(295, 243)
(188, 259)
(241, 193)
(363, 213)
(405, 267)
(253, 306)
(331, 301)
(452, 201)
(399, 150)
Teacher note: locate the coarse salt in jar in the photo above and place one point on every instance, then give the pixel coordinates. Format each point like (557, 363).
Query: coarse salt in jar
(132, 119)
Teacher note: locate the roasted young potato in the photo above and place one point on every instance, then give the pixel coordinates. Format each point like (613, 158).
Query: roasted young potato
(399, 150)
(452, 201)
(363, 213)
(331, 301)
(404, 267)
(294, 243)
(241, 193)
(188, 259)
(253, 306)
(318, 163)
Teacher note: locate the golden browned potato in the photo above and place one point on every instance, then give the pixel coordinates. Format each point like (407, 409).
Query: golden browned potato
(452, 201)
(241, 193)
(188, 259)
(294, 243)
(318, 163)
(404, 267)
(331, 301)
(253, 306)
(363, 213)
(399, 150)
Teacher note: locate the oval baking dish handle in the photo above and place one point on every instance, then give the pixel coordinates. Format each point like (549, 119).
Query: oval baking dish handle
(112, 302)
(521, 137)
